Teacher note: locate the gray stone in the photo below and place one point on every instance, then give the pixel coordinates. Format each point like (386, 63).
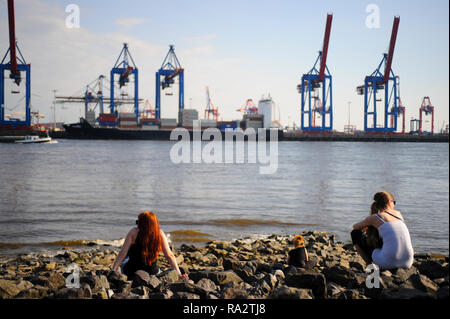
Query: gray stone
(234, 293)
(285, 292)
(341, 276)
(218, 277)
(309, 280)
(423, 283)
(11, 288)
(405, 293)
(141, 278)
(185, 295)
(207, 284)
(432, 269)
(187, 287)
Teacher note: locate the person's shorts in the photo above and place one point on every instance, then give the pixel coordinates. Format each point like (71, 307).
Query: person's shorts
(359, 239)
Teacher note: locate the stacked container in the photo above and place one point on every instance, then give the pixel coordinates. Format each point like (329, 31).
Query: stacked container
(90, 117)
(150, 124)
(127, 121)
(187, 117)
(227, 126)
(168, 124)
(254, 121)
(208, 123)
(107, 119)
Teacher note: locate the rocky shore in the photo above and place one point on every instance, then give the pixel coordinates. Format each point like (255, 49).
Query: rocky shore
(241, 269)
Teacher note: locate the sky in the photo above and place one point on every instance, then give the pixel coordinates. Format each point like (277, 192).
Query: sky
(239, 49)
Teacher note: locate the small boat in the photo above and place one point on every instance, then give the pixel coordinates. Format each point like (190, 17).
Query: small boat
(35, 139)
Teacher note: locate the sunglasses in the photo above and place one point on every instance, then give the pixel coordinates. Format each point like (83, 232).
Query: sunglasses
(394, 202)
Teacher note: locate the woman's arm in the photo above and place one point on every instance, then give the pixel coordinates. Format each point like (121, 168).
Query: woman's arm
(369, 221)
(170, 256)
(124, 251)
(306, 254)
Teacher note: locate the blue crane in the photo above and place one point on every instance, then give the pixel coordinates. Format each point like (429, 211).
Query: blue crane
(16, 65)
(320, 80)
(170, 69)
(376, 83)
(124, 69)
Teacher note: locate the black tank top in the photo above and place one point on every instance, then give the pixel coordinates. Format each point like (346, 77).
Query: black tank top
(135, 262)
(297, 257)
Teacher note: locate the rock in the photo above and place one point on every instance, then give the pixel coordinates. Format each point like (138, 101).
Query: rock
(117, 279)
(334, 290)
(161, 295)
(50, 266)
(432, 269)
(309, 280)
(271, 280)
(70, 293)
(405, 293)
(234, 293)
(441, 281)
(401, 275)
(279, 274)
(285, 292)
(56, 281)
(11, 288)
(423, 283)
(218, 277)
(101, 294)
(185, 295)
(342, 276)
(207, 284)
(142, 291)
(187, 287)
(141, 278)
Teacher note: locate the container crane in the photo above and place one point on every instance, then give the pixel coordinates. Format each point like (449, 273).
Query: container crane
(249, 108)
(170, 69)
(210, 107)
(93, 97)
(401, 110)
(16, 65)
(124, 69)
(426, 109)
(379, 81)
(148, 112)
(320, 80)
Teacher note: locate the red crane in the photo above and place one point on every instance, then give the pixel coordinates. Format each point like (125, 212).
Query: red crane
(387, 70)
(15, 74)
(326, 41)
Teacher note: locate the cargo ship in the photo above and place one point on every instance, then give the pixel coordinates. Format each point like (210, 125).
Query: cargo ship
(126, 127)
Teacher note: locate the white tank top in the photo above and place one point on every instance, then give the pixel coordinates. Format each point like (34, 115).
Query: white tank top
(397, 251)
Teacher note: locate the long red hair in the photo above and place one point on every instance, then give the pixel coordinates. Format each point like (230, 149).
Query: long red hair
(149, 237)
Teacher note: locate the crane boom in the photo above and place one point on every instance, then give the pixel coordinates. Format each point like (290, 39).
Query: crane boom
(390, 56)
(326, 40)
(15, 74)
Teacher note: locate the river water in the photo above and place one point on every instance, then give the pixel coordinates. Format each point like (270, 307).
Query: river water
(59, 194)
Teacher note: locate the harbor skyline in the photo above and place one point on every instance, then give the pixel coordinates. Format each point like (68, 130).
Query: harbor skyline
(247, 58)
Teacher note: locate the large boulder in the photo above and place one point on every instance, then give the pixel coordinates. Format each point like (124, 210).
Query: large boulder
(11, 288)
(285, 292)
(432, 269)
(309, 280)
(218, 277)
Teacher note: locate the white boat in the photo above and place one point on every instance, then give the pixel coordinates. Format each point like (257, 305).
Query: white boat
(35, 139)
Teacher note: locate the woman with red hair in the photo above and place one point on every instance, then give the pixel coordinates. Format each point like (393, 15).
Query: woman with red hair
(142, 246)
